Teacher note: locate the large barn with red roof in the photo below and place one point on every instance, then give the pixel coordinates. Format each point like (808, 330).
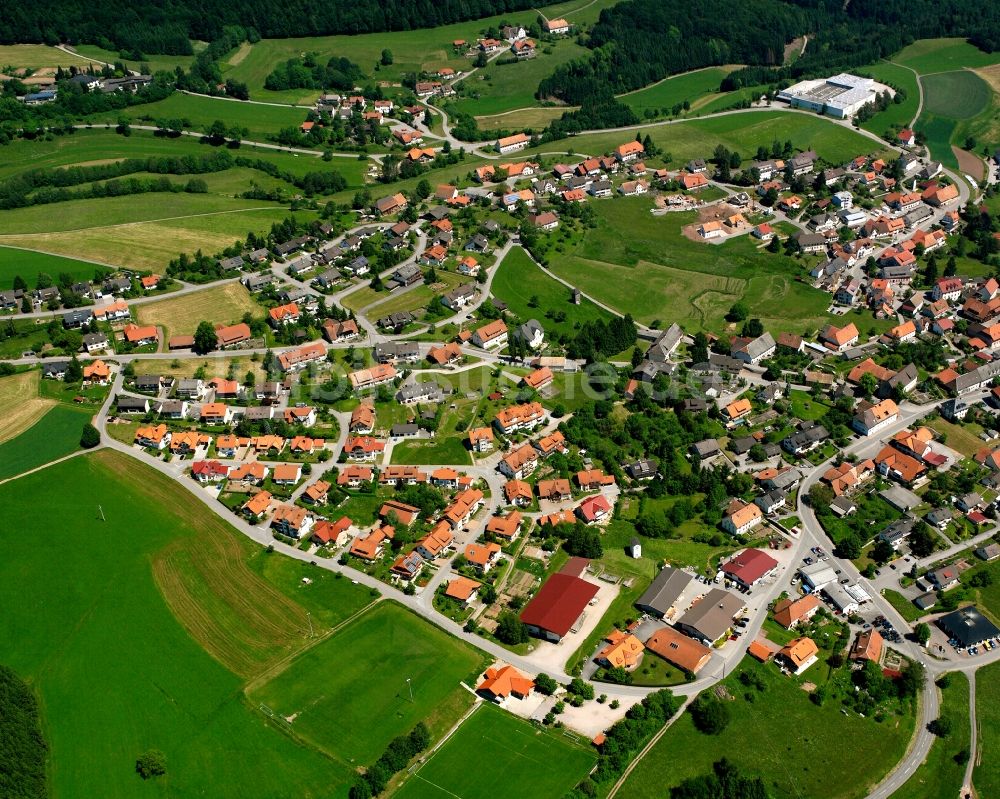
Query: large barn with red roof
(554, 610)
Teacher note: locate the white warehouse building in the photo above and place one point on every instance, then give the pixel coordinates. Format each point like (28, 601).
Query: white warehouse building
(840, 96)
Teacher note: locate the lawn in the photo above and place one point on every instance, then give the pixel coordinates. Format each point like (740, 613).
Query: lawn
(186, 367)
(928, 56)
(689, 86)
(345, 706)
(958, 95)
(55, 434)
(797, 747)
(443, 449)
(37, 56)
(505, 87)
(806, 408)
(903, 606)
(986, 777)
(220, 305)
(29, 264)
(512, 759)
(940, 776)
(743, 133)
(20, 404)
(416, 298)
(115, 672)
(961, 438)
(530, 293)
(642, 264)
(262, 121)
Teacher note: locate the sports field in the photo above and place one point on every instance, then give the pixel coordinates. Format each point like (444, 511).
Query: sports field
(530, 293)
(742, 132)
(349, 695)
(640, 263)
(222, 305)
(940, 776)
(55, 434)
(798, 748)
(115, 672)
(690, 86)
(496, 755)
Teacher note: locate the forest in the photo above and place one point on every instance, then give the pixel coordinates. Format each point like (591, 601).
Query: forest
(22, 748)
(168, 26)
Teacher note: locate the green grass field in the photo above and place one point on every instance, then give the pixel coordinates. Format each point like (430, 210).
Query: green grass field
(986, 777)
(518, 282)
(901, 114)
(349, 708)
(496, 755)
(640, 263)
(742, 132)
(29, 265)
(498, 88)
(55, 434)
(37, 56)
(444, 448)
(413, 51)
(957, 95)
(156, 62)
(940, 132)
(222, 305)
(798, 749)
(690, 86)
(261, 120)
(928, 56)
(522, 119)
(115, 672)
(940, 776)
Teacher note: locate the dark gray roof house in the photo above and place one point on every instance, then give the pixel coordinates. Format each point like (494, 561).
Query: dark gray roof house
(667, 587)
(708, 448)
(642, 469)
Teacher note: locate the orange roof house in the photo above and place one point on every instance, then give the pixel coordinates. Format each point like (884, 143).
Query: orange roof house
(789, 612)
(759, 651)
(134, 334)
(505, 527)
(623, 650)
(868, 646)
(462, 588)
(737, 410)
(799, 654)
(258, 503)
(97, 372)
(679, 649)
(499, 684)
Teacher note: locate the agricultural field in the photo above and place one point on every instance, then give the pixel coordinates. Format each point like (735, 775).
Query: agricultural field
(217, 366)
(957, 95)
(180, 315)
(530, 293)
(504, 87)
(941, 776)
(373, 704)
(640, 263)
(986, 777)
(38, 56)
(522, 119)
(56, 433)
(741, 132)
(261, 121)
(512, 759)
(150, 684)
(29, 264)
(927, 56)
(142, 232)
(688, 86)
(20, 404)
(856, 752)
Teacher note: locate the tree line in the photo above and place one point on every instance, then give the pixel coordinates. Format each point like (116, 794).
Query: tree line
(22, 747)
(169, 27)
(112, 188)
(308, 73)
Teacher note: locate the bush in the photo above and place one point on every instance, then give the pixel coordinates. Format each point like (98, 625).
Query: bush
(90, 437)
(710, 714)
(152, 763)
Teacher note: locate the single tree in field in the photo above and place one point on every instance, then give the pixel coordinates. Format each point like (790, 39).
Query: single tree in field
(152, 763)
(90, 437)
(205, 339)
